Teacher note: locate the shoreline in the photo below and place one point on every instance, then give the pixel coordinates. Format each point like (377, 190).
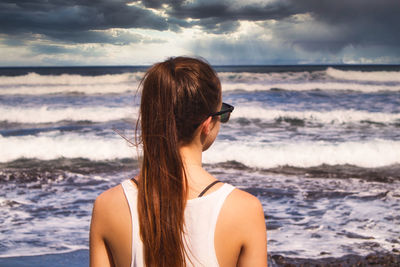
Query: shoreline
(81, 258)
(373, 259)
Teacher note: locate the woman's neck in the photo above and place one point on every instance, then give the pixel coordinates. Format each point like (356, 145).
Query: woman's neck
(191, 155)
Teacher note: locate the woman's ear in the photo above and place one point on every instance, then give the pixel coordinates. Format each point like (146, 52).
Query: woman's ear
(206, 126)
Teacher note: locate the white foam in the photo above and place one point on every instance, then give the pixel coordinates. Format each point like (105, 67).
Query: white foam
(251, 77)
(35, 84)
(46, 114)
(375, 153)
(69, 79)
(372, 76)
(335, 116)
(307, 86)
(65, 89)
(301, 215)
(53, 146)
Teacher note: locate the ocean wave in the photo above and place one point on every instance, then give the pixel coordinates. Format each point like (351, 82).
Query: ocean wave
(370, 76)
(52, 146)
(373, 153)
(88, 89)
(310, 86)
(251, 77)
(35, 84)
(369, 154)
(326, 117)
(31, 169)
(69, 79)
(46, 114)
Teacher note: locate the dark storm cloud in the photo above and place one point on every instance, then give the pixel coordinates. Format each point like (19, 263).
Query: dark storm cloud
(117, 38)
(158, 4)
(340, 23)
(225, 11)
(215, 17)
(355, 22)
(313, 27)
(50, 49)
(64, 20)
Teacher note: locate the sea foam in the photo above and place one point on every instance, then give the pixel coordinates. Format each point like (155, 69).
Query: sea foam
(46, 114)
(372, 76)
(53, 146)
(326, 117)
(373, 153)
(35, 84)
(309, 86)
(69, 79)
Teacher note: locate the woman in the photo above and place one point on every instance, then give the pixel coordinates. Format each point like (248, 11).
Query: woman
(174, 213)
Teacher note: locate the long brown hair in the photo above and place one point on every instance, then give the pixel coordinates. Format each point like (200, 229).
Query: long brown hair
(177, 96)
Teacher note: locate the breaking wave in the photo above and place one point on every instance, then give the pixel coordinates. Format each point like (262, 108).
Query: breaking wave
(46, 114)
(373, 153)
(334, 116)
(370, 154)
(331, 79)
(371, 76)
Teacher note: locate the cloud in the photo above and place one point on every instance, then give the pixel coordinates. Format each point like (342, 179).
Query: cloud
(280, 31)
(332, 25)
(50, 49)
(223, 16)
(159, 4)
(75, 21)
(337, 24)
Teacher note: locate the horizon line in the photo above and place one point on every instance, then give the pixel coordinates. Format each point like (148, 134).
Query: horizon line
(225, 65)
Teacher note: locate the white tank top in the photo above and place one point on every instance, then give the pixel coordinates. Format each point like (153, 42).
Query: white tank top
(201, 216)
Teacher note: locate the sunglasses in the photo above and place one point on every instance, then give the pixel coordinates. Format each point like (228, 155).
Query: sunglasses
(225, 112)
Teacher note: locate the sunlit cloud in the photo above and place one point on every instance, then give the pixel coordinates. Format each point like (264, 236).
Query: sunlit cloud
(224, 32)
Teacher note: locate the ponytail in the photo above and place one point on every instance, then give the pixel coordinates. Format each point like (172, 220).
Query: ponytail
(177, 96)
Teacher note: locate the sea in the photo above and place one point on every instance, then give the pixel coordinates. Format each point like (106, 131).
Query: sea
(318, 145)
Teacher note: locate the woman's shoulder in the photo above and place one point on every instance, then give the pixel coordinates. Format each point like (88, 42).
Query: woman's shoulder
(109, 203)
(240, 230)
(110, 226)
(110, 196)
(242, 203)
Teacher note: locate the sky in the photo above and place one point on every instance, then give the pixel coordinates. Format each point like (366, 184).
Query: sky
(234, 32)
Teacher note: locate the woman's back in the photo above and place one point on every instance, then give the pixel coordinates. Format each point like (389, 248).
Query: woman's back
(237, 230)
(180, 115)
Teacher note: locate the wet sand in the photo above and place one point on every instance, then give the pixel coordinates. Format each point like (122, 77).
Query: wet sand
(80, 258)
(383, 259)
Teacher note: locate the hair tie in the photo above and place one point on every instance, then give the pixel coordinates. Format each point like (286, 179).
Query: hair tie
(171, 65)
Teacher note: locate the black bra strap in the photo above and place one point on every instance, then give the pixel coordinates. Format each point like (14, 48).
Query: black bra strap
(202, 192)
(134, 180)
(208, 187)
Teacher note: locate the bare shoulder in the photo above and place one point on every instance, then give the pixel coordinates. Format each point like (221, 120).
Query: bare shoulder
(110, 229)
(242, 209)
(241, 225)
(109, 197)
(244, 202)
(109, 203)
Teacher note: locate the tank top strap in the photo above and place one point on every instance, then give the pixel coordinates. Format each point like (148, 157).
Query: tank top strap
(215, 203)
(130, 192)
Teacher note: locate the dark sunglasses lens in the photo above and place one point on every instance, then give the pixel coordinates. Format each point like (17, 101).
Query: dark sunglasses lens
(225, 117)
(224, 106)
